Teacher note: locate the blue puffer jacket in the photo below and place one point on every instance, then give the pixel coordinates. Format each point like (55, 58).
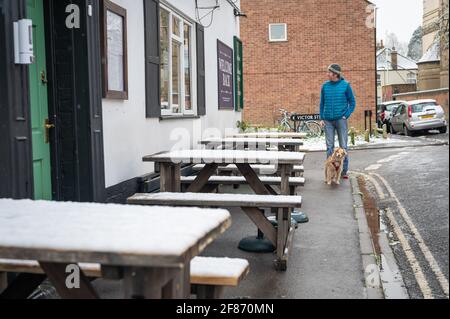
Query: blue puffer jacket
(337, 101)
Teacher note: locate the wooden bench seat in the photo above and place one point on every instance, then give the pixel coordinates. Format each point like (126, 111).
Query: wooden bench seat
(209, 276)
(216, 200)
(252, 205)
(240, 180)
(260, 169)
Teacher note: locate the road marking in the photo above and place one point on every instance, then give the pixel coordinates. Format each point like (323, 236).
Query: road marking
(373, 167)
(417, 270)
(377, 186)
(423, 247)
(409, 253)
(389, 159)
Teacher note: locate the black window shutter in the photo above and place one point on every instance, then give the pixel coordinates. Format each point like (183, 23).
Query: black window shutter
(152, 65)
(201, 85)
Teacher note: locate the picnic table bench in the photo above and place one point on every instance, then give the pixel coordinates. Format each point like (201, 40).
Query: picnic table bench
(170, 166)
(169, 163)
(251, 205)
(143, 243)
(268, 181)
(209, 276)
(259, 169)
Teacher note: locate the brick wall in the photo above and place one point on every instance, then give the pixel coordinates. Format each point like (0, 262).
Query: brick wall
(390, 90)
(290, 74)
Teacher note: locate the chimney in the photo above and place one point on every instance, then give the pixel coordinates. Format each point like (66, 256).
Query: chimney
(394, 59)
(380, 45)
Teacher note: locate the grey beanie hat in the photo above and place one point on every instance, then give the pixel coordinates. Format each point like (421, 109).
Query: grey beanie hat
(335, 68)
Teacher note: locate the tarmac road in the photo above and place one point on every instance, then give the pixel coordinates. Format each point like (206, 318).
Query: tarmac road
(415, 184)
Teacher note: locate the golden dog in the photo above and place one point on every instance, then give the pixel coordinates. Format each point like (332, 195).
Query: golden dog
(334, 166)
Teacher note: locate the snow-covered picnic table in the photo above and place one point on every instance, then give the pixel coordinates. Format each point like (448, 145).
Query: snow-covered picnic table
(144, 243)
(254, 143)
(170, 169)
(170, 166)
(271, 135)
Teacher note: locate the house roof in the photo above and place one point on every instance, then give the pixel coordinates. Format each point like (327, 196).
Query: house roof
(384, 61)
(432, 55)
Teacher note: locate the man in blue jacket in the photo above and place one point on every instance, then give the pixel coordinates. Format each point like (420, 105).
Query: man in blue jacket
(337, 105)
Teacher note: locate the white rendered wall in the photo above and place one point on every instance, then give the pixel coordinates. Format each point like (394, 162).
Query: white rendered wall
(128, 134)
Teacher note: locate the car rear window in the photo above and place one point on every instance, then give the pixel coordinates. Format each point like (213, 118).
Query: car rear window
(391, 107)
(417, 108)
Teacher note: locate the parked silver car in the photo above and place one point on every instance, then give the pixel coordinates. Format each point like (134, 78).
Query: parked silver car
(385, 111)
(419, 115)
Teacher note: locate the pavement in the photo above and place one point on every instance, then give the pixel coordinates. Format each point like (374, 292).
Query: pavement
(325, 261)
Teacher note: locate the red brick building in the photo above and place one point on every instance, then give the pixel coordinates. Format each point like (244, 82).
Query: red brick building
(288, 73)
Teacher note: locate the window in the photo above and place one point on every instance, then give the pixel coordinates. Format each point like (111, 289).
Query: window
(411, 78)
(114, 51)
(277, 32)
(176, 39)
(238, 75)
(379, 79)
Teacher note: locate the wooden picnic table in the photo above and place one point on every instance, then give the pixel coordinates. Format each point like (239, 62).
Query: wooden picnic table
(151, 247)
(271, 135)
(282, 144)
(170, 167)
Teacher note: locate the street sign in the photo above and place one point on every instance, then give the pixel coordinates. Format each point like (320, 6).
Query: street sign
(305, 117)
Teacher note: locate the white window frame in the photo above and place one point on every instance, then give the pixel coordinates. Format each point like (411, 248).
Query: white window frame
(193, 67)
(285, 32)
(411, 78)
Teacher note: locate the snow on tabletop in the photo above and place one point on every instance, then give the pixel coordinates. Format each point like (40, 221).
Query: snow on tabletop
(229, 156)
(139, 230)
(218, 267)
(256, 141)
(271, 134)
(220, 197)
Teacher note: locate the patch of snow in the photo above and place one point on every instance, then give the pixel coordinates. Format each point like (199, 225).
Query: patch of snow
(260, 143)
(218, 267)
(384, 61)
(319, 143)
(433, 54)
(229, 157)
(211, 197)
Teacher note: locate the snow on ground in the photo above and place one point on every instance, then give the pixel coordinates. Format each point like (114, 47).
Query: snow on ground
(319, 144)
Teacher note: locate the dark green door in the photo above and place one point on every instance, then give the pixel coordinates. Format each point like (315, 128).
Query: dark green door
(39, 105)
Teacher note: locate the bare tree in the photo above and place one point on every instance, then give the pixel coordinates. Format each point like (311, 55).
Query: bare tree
(392, 41)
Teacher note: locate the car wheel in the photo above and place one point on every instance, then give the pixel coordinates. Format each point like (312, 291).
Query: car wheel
(443, 130)
(406, 131)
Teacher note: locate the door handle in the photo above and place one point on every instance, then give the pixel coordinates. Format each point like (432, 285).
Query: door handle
(47, 127)
(43, 78)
